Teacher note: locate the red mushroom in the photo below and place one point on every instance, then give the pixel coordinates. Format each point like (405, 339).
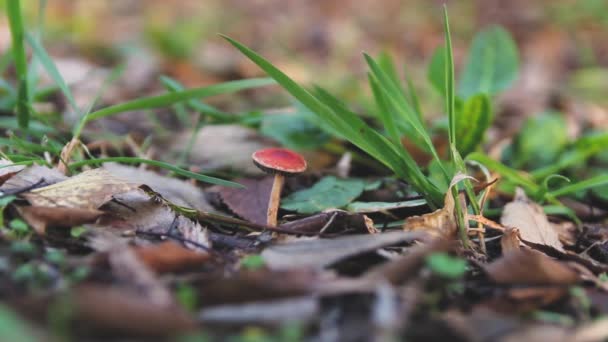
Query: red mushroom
(281, 162)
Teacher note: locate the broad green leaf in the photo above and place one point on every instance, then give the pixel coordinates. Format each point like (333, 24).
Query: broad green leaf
(329, 192)
(293, 130)
(436, 70)
(445, 265)
(492, 64)
(472, 121)
(13, 327)
(370, 207)
(540, 141)
(179, 96)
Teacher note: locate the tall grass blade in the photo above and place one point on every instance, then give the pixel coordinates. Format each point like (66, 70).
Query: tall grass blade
(13, 9)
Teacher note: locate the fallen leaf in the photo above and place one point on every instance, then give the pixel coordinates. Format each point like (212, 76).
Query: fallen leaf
(170, 257)
(87, 190)
(35, 176)
(441, 222)
(250, 203)
(510, 241)
(372, 207)
(174, 190)
(331, 221)
(6, 172)
(300, 310)
(529, 267)
(531, 221)
(41, 218)
(319, 253)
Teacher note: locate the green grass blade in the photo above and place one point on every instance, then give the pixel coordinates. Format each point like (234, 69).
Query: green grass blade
(199, 106)
(348, 125)
(401, 105)
(13, 9)
(51, 69)
(580, 186)
(384, 110)
(178, 96)
(507, 172)
(449, 81)
(163, 165)
(116, 72)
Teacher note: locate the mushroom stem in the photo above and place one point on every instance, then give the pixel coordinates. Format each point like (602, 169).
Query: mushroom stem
(275, 198)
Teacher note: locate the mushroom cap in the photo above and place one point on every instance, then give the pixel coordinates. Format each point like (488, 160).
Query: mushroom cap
(279, 160)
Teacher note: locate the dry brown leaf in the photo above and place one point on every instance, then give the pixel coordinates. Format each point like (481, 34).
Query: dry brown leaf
(87, 190)
(6, 172)
(41, 218)
(173, 190)
(529, 267)
(441, 222)
(510, 241)
(532, 222)
(113, 309)
(170, 257)
(250, 203)
(319, 253)
(33, 176)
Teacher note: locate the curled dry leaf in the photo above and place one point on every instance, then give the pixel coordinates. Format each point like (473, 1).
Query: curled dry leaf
(33, 177)
(6, 172)
(510, 240)
(531, 221)
(441, 222)
(170, 257)
(529, 267)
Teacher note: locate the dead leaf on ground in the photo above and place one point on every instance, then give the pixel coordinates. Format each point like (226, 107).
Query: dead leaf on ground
(33, 176)
(122, 311)
(174, 190)
(332, 221)
(41, 218)
(6, 172)
(250, 203)
(318, 253)
(510, 241)
(529, 267)
(261, 285)
(170, 257)
(441, 222)
(87, 190)
(531, 221)
(300, 310)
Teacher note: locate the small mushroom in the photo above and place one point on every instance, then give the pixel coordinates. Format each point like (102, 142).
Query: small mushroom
(281, 162)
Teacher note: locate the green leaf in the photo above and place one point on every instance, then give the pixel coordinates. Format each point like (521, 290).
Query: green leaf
(510, 174)
(472, 122)
(13, 327)
(163, 165)
(179, 96)
(329, 192)
(540, 141)
(294, 130)
(252, 262)
(446, 265)
(492, 64)
(370, 207)
(436, 70)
